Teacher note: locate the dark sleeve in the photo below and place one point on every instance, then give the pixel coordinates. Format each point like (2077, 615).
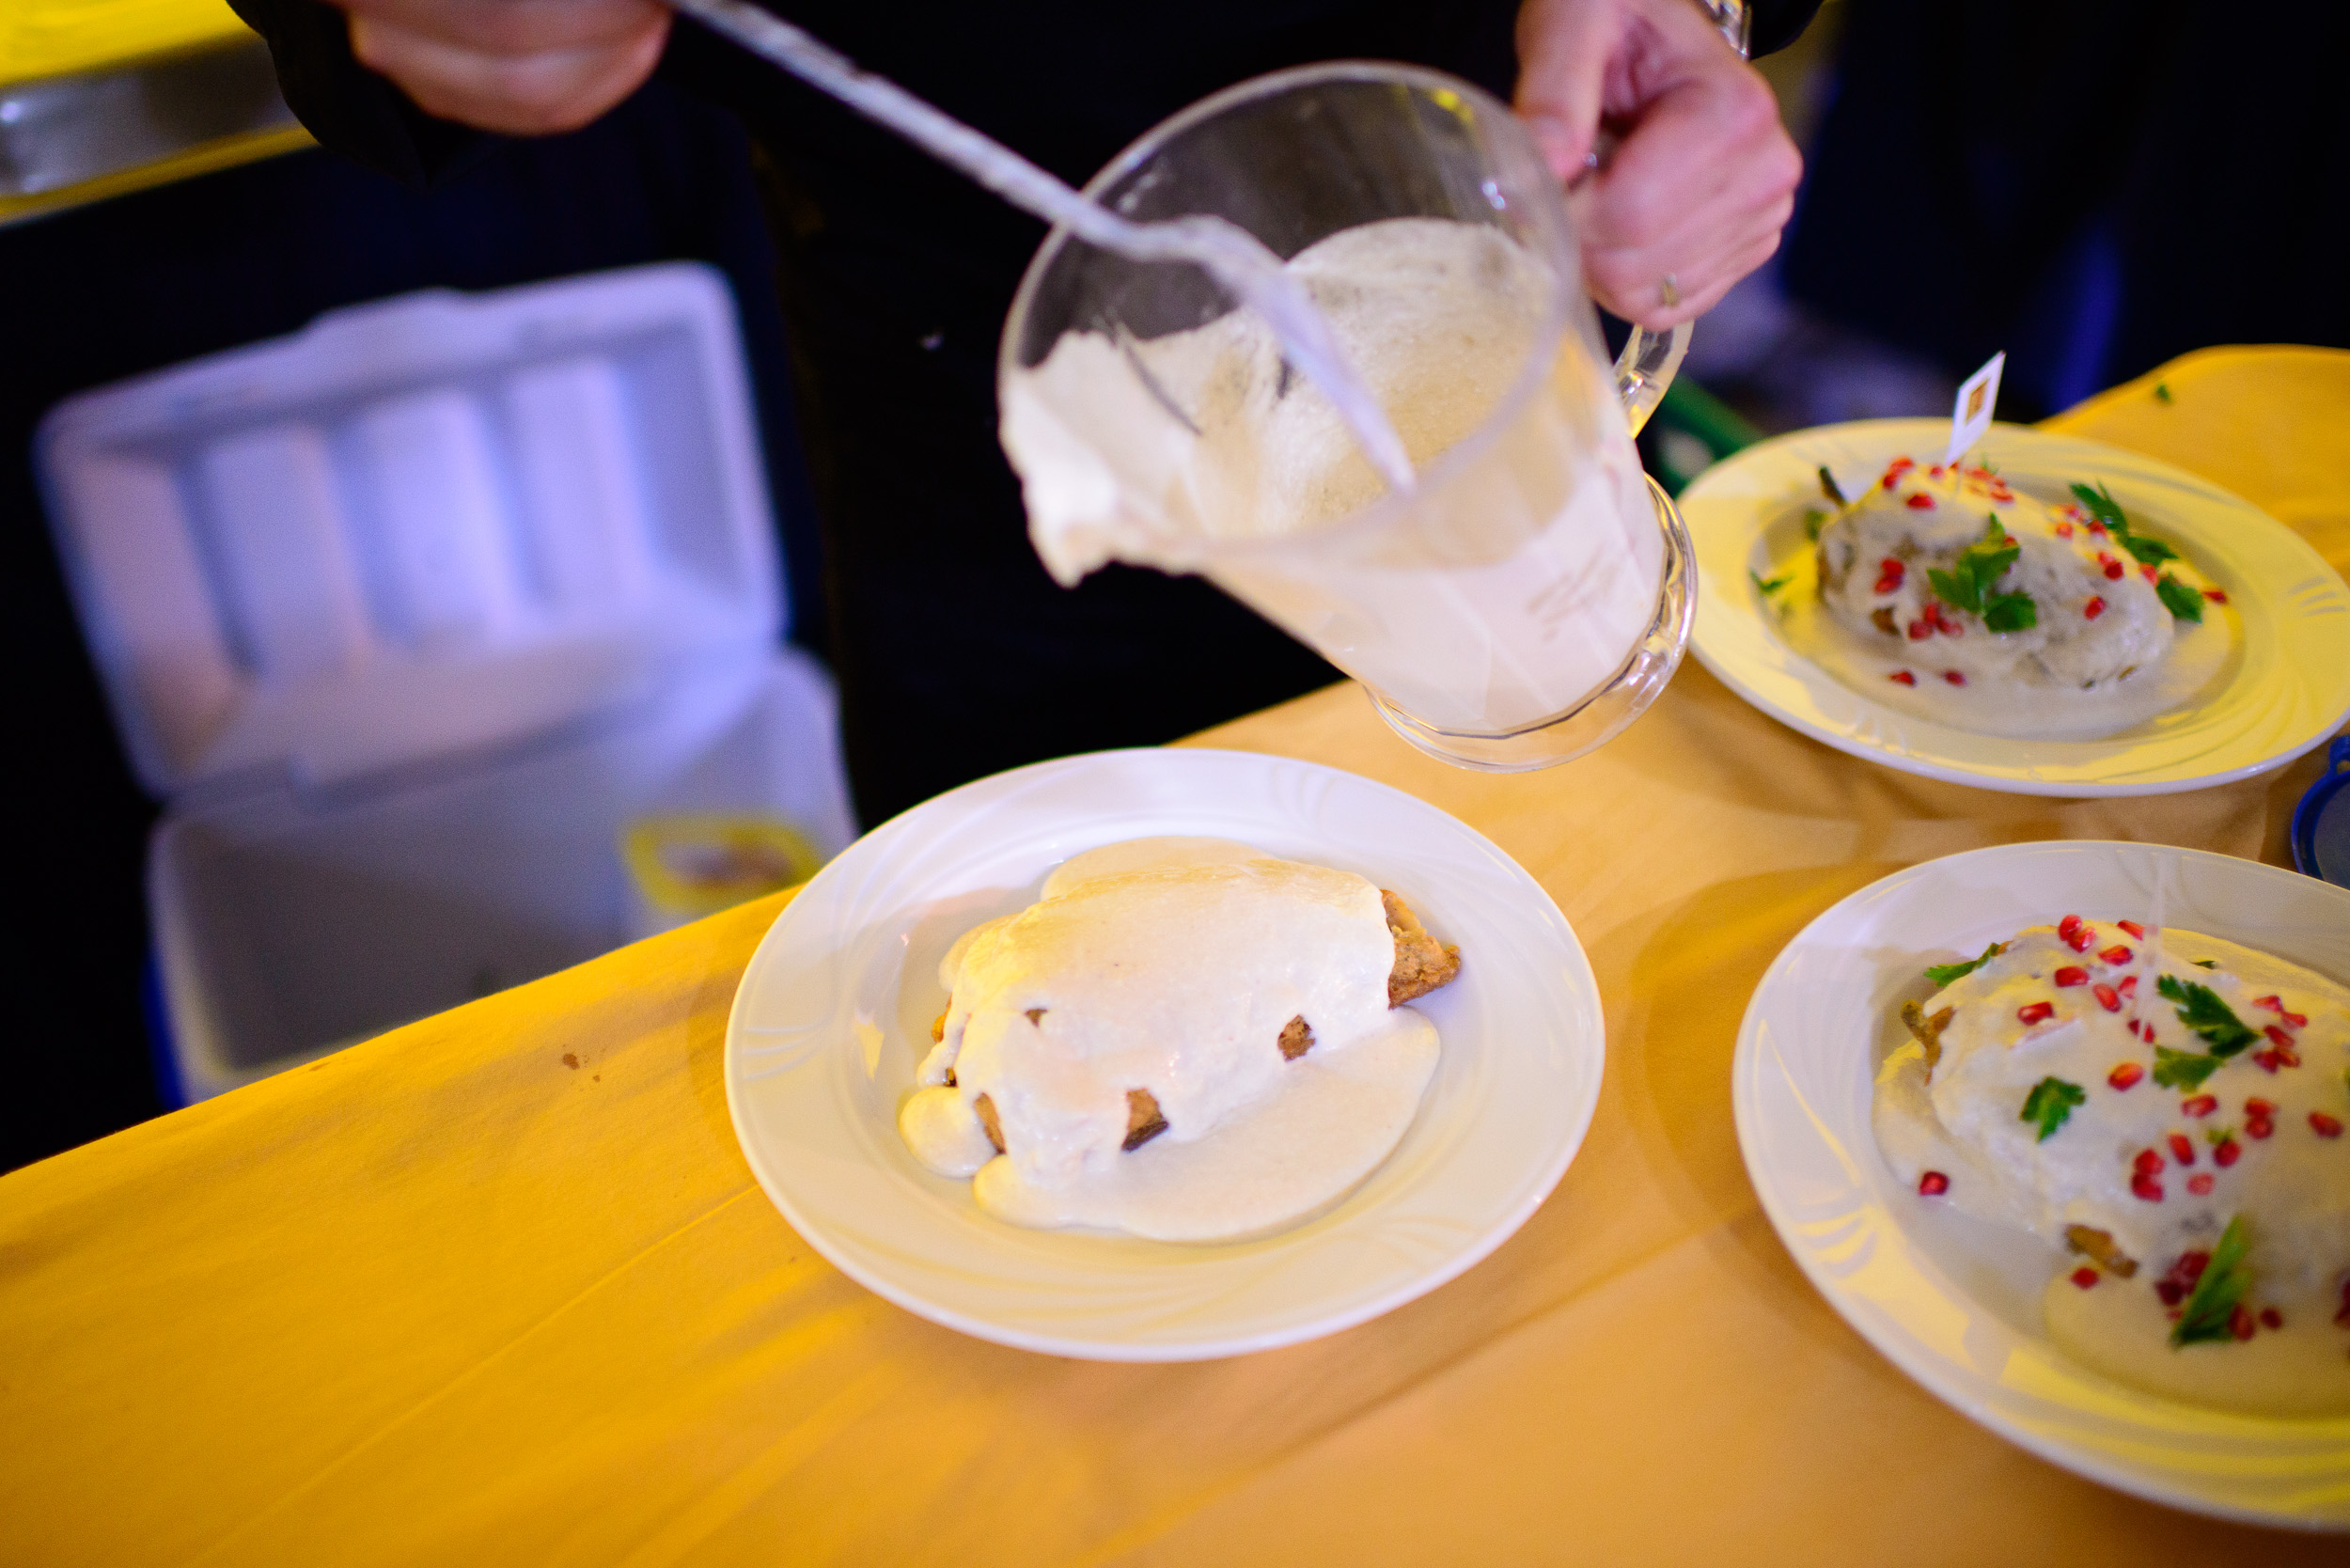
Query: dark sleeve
(348, 107)
(1777, 23)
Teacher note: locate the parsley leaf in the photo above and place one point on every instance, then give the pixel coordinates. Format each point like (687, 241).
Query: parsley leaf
(1828, 486)
(2050, 1104)
(2201, 1010)
(2009, 612)
(2223, 1283)
(1768, 586)
(2183, 1069)
(1968, 586)
(1812, 521)
(2105, 509)
(2182, 602)
(2101, 505)
(1940, 975)
(2162, 391)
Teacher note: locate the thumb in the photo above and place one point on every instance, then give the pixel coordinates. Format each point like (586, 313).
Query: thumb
(1564, 49)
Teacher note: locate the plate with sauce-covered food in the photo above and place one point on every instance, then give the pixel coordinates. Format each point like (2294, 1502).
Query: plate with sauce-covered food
(2046, 616)
(1163, 1055)
(2063, 1130)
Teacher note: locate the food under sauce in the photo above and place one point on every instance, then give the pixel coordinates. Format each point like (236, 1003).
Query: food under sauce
(1182, 1038)
(1943, 592)
(2098, 1085)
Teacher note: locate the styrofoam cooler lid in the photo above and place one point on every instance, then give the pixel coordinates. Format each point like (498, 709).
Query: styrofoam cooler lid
(418, 525)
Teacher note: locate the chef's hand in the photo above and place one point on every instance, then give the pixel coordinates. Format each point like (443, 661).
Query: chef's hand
(522, 66)
(1704, 177)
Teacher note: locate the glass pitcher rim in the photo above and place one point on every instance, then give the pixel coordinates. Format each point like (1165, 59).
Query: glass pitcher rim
(1566, 287)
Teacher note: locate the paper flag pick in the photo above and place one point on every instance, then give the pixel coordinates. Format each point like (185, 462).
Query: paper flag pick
(1972, 416)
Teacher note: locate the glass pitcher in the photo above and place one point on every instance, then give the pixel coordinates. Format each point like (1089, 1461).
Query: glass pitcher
(1532, 592)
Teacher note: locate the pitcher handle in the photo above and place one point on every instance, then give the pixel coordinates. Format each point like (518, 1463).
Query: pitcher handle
(1645, 369)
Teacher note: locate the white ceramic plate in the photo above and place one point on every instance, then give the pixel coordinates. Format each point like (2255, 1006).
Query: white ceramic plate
(1953, 1302)
(835, 1010)
(2281, 691)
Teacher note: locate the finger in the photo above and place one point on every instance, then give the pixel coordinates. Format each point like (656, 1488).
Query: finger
(1564, 49)
(1633, 286)
(526, 95)
(518, 26)
(1698, 145)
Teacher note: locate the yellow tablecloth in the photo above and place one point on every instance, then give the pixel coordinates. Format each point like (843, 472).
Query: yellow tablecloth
(499, 1287)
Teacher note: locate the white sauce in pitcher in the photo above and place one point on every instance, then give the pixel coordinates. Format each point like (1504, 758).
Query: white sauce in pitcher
(1172, 966)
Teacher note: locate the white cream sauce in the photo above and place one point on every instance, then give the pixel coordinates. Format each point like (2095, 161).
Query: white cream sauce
(1172, 966)
(2288, 1176)
(2071, 675)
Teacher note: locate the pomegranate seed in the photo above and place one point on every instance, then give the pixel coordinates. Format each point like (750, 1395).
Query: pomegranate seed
(2200, 1184)
(2129, 988)
(2113, 568)
(2226, 1153)
(2240, 1322)
(1920, 629)
(2267, 1060)
(2096, 607)
(2218, 596)
(2148, 573)
(2200, 1104)
(2259, 1126)
(2084, 1277)
(2070, 974)
(2170, 1292)
(1919, 502)
(2190, 1267)
(2271, 1318)
(1890, 574)
(2064, 530)
(1956, 678)
(1935, 472)
(2277, 1006)
(2080, 940)
(2066, 927)
(2323, 1126)
(2133, 928)
(2108, 997)
(2115, 954)
(2132, 1026)
(2182, 1148)
(2148, 1163)
(2035, 1013)
(1903, 678)
(2096, 530)
(2277, 1036)
(1934, 1184)
(2125, 1074)
(2147, 1188)
(2286, 1055)
(2259, 1107)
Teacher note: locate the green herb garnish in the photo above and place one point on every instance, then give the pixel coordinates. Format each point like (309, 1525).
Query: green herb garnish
(2207, 963)
(2050, 1104)
(2105, 509)
(1968, 585)
(1940, 975)
(2210, 1306)
(2182, 602)
(2162, 391)
(1768, 586)
(1814, 521)
(2183, 1069)
(2201, 1010)
(1828, 486)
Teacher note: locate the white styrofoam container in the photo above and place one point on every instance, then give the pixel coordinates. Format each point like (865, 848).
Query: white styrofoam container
(405, 615)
